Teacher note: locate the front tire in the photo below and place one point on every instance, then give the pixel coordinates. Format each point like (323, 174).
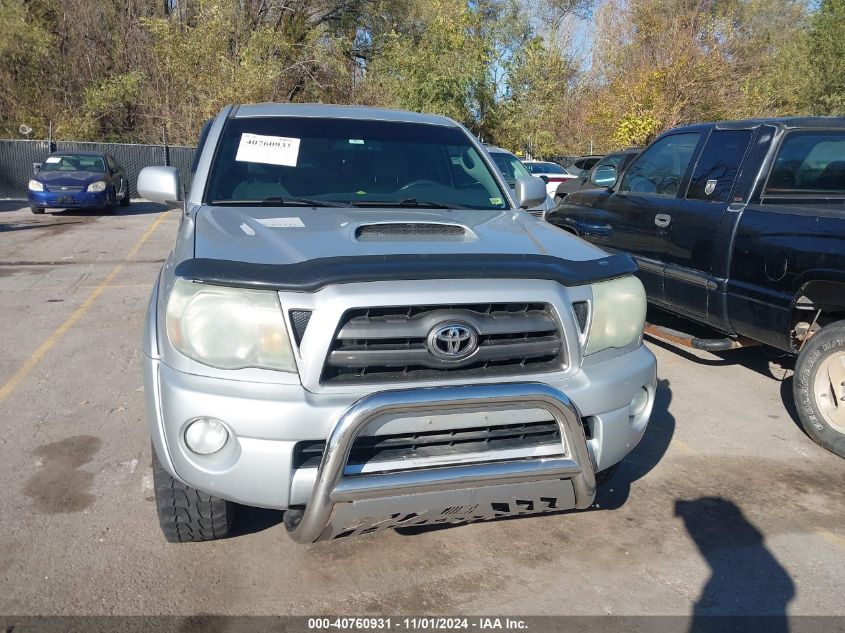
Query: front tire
(36, 210)
(125, 200)
(187, 515)
(819, 387)
(111, 203)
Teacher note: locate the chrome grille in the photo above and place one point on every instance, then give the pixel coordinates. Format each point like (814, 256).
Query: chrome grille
(391, 344)
(432, 444)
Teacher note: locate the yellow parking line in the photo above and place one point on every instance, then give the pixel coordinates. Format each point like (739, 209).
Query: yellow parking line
(685, 448)
(831, 537)
(39, 354)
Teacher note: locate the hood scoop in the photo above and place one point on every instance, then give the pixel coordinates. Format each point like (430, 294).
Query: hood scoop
(410, 232)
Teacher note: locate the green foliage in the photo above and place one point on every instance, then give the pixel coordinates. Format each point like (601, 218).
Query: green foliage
(510, 70)
(826, 46)
(435, 63)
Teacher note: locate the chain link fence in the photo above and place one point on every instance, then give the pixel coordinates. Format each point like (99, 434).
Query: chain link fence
(18, 158)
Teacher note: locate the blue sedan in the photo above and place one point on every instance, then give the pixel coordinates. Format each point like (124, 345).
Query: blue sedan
(81, 180)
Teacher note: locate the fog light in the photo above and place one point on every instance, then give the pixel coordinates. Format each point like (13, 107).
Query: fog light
(206, 436)
(639, 403)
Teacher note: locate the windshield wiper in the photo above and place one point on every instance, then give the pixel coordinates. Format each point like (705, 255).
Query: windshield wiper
(407, 202)
(276, 201)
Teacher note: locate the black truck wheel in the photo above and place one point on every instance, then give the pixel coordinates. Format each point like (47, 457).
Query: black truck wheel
(819, 387)
(187, 515)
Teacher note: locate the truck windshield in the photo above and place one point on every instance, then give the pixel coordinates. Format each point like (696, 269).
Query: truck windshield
(330, 161)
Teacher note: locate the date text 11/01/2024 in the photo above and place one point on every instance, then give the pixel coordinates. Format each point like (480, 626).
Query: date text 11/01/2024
(416, 624)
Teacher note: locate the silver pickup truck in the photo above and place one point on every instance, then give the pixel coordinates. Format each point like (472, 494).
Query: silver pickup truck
(359, 324)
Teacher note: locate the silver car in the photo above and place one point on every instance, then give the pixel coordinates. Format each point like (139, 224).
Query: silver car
(396, 344)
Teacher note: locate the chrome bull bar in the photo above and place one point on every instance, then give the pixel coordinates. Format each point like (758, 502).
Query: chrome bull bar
(332, 489)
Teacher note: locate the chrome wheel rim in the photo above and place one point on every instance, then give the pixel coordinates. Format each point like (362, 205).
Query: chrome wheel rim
(829, 389)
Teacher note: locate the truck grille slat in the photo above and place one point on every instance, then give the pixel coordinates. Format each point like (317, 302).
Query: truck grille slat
(430, 444)
(387, 344)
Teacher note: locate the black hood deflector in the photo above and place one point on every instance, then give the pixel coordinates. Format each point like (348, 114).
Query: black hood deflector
(314, 274)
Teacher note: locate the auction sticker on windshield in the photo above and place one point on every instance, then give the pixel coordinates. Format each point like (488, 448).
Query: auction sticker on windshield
(272, 150)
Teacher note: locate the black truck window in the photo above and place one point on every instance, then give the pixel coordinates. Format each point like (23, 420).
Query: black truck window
(660, 168)
(717, 167)
(809, 162)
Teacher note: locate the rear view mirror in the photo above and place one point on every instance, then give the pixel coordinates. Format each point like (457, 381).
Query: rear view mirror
(530, 192)
(604, 176)
(160, 184)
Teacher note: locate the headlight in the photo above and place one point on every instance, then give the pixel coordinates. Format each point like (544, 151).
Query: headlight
(618, 314)
(97, 186)
(34, 185)
(228, 328)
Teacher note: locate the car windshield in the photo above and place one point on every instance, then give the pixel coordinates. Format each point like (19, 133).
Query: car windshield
(544, 168)
(334, 161)
(74, 162)
(510, 166)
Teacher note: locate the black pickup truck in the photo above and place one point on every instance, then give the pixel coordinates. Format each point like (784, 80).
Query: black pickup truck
(740, 226)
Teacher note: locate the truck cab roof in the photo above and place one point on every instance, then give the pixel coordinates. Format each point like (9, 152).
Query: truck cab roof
(825, 122)
(322, 110)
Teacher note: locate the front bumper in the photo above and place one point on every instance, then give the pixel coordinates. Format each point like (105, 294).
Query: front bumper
(267, 420)
(63, 200)
(342, 506)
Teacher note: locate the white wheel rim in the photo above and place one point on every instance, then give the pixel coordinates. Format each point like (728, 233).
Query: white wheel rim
(829, 389)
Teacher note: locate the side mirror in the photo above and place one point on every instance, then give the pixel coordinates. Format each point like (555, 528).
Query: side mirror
(36, 167)
(604, 176)
(530, 192)
(544, 178)
(160, 184)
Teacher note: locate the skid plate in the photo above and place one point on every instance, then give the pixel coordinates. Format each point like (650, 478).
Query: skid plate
(368, 516)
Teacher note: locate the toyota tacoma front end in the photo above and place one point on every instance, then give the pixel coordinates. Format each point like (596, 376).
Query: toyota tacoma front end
(360, 325)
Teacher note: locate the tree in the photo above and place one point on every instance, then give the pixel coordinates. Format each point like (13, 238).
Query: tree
(826, 47)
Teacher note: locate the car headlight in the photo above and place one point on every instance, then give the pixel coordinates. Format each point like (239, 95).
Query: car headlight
(228, 328)
(94, 187)
(34, 185)
(619, 307)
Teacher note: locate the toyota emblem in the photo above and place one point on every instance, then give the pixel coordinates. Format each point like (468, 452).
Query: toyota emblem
(452, 341)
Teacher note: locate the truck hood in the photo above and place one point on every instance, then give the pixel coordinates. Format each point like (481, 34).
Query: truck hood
(289, 235)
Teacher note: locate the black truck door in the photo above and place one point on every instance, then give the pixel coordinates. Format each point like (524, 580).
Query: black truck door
(688, 275)
(641, 208)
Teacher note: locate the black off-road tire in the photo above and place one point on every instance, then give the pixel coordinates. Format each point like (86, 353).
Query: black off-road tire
(187, 515)
(36, 210)
(828, 342)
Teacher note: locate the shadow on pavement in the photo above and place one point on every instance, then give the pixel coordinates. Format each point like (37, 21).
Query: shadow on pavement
(136, 207)
(250, 520)
(745, 578)
(13, 205)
